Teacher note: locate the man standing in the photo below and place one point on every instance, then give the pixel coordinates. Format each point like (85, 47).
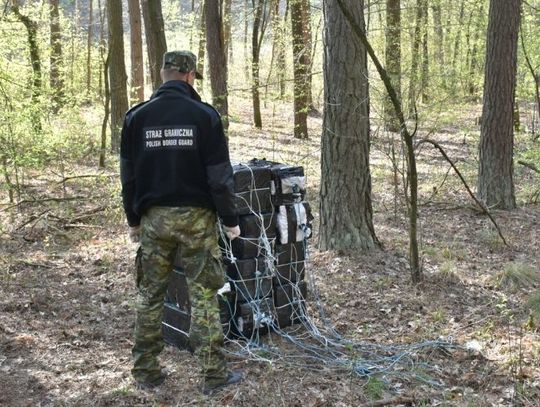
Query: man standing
(176, 174)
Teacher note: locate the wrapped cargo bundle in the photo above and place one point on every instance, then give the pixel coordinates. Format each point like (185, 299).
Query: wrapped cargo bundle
(265, 265)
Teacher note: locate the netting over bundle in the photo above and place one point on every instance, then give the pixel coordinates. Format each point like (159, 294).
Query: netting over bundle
(269, 285)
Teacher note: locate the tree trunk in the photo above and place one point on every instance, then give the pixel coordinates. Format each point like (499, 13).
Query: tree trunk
(202, 46)
(89, 48)
(301, 62)
(407, 137)
(424, 78)
(474, 65)
(156, 43)
(137, 65)
(35, 61)
(256, 41)
(393, 60)
(415, 56)
(495, 175)
(106, 108)
(278, 45)
(117, 72)
(102, 49)
(246, 25)
(346, 212)
(216, 59)
(439, 41)
(457, 44)
(227, 39)
(56, 77)
(308, 45)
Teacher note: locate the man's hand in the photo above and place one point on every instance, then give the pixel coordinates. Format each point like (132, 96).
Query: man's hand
(232, 232)
(135, 234)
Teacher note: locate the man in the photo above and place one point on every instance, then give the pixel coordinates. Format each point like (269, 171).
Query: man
(176, 174)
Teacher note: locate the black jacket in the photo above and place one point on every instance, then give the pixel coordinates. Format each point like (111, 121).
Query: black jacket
(173, 153)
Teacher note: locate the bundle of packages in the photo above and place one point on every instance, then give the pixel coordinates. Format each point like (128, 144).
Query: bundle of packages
(265, 265)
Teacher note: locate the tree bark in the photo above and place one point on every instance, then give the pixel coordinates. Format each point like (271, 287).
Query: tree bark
(89, 48)
(495, 175)
(246, 25)
(202, 45)
(457, 46)
(416, 271)
(415, 56)
(308, 45)
(424, 78)
(474, 67)
(301, 61)
(216, 59)
(227, 39)
(256, 41)
(35, 60)
(56, 75)
(137, 65)
(102, 48)
(393, 59)
(156, 43)
(439, 41)
(117, 71)
(346, 212)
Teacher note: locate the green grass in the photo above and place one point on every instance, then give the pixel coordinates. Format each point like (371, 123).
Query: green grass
(516, 276)
(374, 388)
(533, 304)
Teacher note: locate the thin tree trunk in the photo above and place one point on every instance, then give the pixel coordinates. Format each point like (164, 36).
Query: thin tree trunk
(300, 68)
(193, 26)
(202, 45)
(393, 59)
(35, 61)
(457, 44)
(56, 76)
(474, 65)
(439, 41)
(216, 60)
(117, 72)
(415, 54)
(255, 50)
(246, 54)
(156, 44)
(89, 49)
(106, 107)
(102, 48)
(227, 39)
(308, 45)
(424, 79)
(534, 74)
(137, 65)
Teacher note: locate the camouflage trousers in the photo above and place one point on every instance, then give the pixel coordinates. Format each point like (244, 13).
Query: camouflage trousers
(191, 233)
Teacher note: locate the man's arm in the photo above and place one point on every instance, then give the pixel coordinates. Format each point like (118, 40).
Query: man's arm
(220, 174)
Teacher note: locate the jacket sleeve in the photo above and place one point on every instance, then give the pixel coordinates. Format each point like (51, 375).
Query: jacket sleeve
(127, 175)
(220, 174)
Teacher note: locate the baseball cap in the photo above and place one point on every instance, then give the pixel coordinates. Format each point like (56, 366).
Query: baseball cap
(183, 61)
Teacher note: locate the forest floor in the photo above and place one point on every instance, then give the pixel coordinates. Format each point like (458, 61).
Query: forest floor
(67, 289)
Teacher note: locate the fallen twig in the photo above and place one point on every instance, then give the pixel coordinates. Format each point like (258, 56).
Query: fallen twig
(480, 204)
(529, 166)
(82, 226)
(408, 401)
(52, 199)
(87, 176)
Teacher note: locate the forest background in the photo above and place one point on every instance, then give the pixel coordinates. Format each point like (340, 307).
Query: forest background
(66, 283)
